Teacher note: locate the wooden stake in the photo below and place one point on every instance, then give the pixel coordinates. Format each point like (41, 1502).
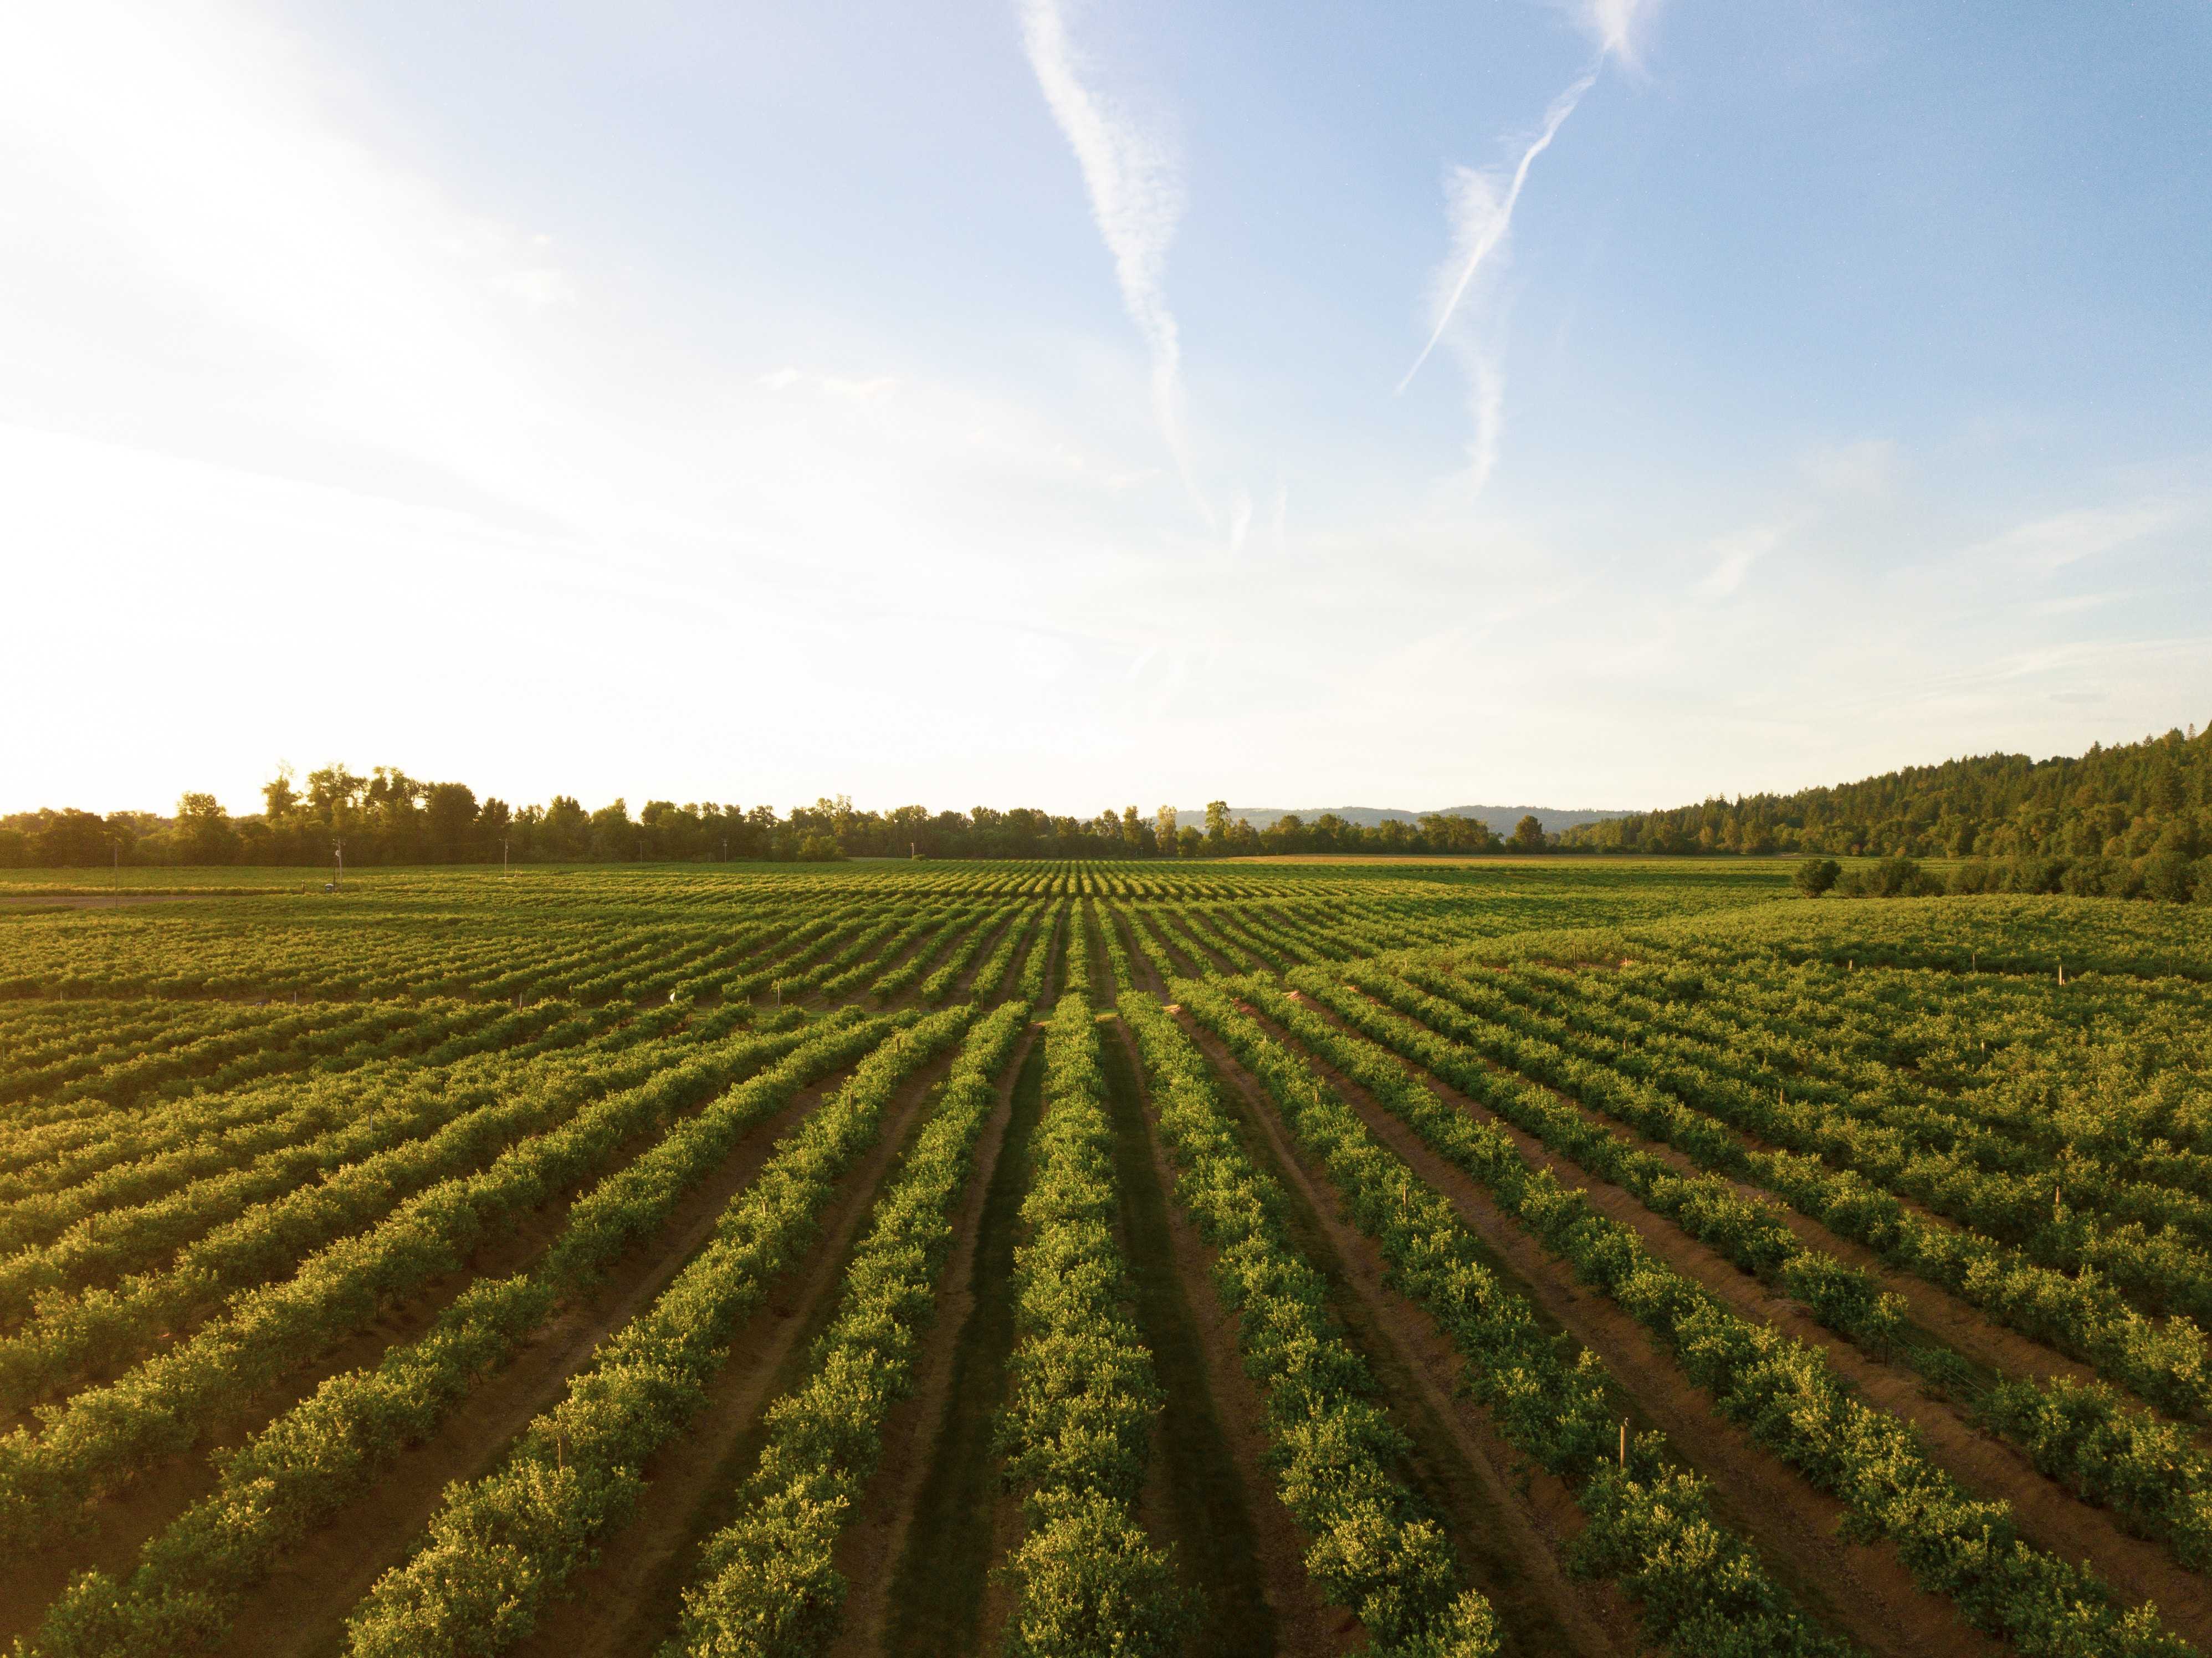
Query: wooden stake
(1624, 1444)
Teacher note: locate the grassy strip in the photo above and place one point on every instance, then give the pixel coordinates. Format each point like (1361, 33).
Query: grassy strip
(501, 1547)
(766, 1584)
(1373, 1550)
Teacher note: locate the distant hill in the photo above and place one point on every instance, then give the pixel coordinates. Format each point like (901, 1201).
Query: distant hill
(2125, 801)
(1500, 818)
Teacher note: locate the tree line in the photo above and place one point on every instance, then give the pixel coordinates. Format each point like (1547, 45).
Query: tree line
(388, 818)
(2130, 802)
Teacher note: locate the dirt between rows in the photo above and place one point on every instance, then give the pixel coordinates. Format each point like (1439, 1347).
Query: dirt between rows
(1508, 1519)
(1865, 1590)
(303, 1608)
(877, 1537)
(1986, 1465)
(1305, 1625)
(1141, 967)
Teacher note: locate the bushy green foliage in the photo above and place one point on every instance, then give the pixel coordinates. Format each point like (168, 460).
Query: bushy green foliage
(1081, 1393)
(1551, 1407)
(766, 1585)
(501, 1547)
(1333, 1450)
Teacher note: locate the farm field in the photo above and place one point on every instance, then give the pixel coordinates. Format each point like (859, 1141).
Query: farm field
(1534, 1257)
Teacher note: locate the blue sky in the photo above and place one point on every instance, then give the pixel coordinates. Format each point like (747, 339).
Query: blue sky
(1010, 402)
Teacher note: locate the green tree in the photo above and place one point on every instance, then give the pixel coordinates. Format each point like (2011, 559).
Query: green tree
(1164, 829)
(1528, 834)
(1815, 876)
(278, 796)
(1216, 824)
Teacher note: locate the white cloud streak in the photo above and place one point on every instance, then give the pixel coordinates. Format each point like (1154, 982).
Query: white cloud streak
(1135, 186)
(1480, 217)
(1480, 214)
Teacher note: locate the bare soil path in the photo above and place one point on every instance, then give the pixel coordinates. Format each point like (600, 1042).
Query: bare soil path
(884, 1520)
(943, 1600)
(1202, 1496)
(1295, 1619)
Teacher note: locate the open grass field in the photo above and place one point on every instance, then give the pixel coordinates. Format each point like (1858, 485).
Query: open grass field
(1306, 1257)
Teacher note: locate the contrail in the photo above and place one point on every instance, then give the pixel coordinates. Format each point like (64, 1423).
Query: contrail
(1501, 220)
(1136, 198)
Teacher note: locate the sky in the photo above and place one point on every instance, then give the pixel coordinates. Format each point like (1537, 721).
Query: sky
(1604, 404)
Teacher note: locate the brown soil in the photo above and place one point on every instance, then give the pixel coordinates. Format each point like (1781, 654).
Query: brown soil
(1140, 960)
(965, 984)
(1508, 1519)
(1865, 1589)
(1986, 1465)
(869, 1550)
(628, 1603)
(1305, 1625)
(303, 1607)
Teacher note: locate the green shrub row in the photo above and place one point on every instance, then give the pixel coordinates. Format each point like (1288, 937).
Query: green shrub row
(2082, 1314)
(100, 1439)
(2150, 1239)
(941, 982)
(501, 1547)
(1081, 1395)
(766, 1585)
(1784, 1393)
(329, 1449)
(72, 1336)
(1334, 1447)
(1552, 1408)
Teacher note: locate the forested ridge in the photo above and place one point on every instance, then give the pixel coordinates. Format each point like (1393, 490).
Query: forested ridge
(2127, 801)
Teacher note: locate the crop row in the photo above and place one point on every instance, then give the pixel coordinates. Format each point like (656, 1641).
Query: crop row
(1332, 1447)
(102, 1436)
(1649, 1525)
(2146, 1469)
(499, 1546)
(765, 1587)
(1786, 1393)
(330, 1449)
(2081, 1314)
(1082, 1397)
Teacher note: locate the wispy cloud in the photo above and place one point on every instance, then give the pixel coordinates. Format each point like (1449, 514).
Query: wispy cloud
(1479, 206)
(1737, 554)
(1481, 215)
(2046, 545)
(1135, 185)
